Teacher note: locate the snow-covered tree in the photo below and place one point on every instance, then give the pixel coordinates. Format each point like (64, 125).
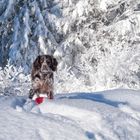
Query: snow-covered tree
(95, 42)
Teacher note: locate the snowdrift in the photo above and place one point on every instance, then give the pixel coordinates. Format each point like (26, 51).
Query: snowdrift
(96, 42)
(107, 115)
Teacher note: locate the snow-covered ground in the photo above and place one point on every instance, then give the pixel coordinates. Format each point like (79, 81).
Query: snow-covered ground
(107, 115)
(97, 46)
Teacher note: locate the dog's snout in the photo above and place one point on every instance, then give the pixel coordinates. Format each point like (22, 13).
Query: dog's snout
(44, 67)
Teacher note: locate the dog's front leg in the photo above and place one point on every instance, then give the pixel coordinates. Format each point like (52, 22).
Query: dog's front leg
(32, 93)
(50, 95)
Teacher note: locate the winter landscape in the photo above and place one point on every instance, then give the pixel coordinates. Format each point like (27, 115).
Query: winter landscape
(97, 83)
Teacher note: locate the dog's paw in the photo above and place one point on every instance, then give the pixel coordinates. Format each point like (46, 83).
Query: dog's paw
(29, 104)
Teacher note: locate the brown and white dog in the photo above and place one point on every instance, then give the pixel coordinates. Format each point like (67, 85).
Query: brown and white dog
(42, 76)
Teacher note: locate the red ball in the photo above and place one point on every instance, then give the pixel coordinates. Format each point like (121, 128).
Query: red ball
(39, 100)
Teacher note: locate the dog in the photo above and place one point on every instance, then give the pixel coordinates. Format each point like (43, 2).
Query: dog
(42, 76)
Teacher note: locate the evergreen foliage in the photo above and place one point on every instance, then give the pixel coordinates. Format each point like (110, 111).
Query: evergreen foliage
(95, 42)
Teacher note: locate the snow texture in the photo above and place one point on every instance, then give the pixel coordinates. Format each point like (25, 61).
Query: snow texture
(107, 115)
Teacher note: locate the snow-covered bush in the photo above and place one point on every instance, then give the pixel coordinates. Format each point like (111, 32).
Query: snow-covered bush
(13, 81)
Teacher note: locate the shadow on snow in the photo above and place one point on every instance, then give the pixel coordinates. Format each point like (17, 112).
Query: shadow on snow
(98, 97)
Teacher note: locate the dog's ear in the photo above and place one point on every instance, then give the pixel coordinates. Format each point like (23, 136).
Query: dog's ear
(36, 67)
(54, 64)
(37, 64)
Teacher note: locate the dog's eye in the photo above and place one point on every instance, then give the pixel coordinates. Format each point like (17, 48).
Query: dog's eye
(41, 60)
(48, 62)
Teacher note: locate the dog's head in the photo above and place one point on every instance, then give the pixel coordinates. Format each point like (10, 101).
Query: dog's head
(45, 63)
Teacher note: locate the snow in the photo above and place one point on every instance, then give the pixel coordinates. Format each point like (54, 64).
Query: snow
(96, 44)
(106, 115)
(23, 125)
(9, 6)
(104, 4)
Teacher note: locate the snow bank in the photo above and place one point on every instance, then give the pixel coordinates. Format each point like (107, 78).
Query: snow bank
(26, 125)
(107, 115)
